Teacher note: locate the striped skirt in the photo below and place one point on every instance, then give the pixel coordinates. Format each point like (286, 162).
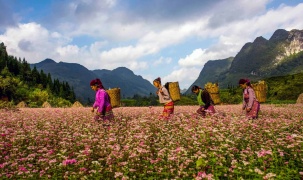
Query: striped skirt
(253, 113)
(168, 109)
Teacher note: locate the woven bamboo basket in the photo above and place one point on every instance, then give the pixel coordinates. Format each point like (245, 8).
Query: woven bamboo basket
(260, 89)
(213, 90)
(114, 95)
(174, 91)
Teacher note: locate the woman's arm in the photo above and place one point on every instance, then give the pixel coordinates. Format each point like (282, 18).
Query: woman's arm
(251, 95)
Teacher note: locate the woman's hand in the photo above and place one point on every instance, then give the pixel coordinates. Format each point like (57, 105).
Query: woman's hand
(93, 110)
(248, 109)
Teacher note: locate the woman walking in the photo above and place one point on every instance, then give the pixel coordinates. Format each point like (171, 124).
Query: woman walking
(250, 102)
(102, 102)
(164, 98)
(205, 101)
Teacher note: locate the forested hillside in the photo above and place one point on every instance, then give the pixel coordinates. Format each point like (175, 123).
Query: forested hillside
(18, 82)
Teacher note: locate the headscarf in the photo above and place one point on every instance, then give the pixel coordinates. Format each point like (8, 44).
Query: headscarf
(96, 82)
(158, 80)
(243, 81)
(195, 87)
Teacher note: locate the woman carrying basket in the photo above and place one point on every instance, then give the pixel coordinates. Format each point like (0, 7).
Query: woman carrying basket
(102, 102)
(250, 102)
(164, 98)
(205, 101)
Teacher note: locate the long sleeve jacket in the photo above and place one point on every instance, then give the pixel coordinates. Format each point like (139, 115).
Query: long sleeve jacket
(102, 100)
(164, 96)
(248, 97)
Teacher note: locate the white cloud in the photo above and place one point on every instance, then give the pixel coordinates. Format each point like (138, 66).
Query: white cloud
(197, 58)
(32, 41)
(185, 76)
(162, 60)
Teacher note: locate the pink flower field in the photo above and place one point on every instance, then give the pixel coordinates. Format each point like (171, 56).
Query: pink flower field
(66, 143)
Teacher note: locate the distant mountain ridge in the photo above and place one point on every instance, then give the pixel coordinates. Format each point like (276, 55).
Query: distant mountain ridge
(281, 55)
(125, 79)
(79, 78)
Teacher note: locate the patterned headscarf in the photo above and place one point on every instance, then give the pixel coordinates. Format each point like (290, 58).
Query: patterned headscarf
(96, 82)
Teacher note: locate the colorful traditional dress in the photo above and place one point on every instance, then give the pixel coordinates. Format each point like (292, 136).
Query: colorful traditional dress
(102, 103)
(206, 103)
(250, 101)
(164, 98)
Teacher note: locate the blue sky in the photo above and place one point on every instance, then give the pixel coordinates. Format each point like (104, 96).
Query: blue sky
(171, 39)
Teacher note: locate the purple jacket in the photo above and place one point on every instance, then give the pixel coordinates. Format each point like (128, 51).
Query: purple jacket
(102, 100)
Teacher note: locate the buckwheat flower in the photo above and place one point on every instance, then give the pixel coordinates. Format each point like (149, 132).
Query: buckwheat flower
(258, 171)
(69, 161)
(118, 174)
(50, 152)
(52, 161)
(264, 153)
(245, 163)
(132, 170)
(201, 174)
(2, 165)
(95, 163)
(178, 149)
(269, 176)
(123, 163)
(22, 168)
(83, 169)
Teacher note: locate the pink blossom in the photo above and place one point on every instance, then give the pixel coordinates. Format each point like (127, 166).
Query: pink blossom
(2, 165)
(22, 168)
(264, 153)
(50, 152)
(69, 161)
(83, 169)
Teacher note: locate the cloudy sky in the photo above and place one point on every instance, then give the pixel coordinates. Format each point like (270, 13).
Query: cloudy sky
(171, 39)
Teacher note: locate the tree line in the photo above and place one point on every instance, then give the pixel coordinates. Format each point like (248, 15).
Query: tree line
(18, 82)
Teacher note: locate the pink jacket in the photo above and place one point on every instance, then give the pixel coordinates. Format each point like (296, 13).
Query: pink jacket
(102, 100)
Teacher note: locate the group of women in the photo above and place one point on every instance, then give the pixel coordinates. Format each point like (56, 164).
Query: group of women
(104, 111)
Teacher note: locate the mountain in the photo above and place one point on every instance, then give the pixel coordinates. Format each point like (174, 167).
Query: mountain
(79, 78)
(281, 55)
(76, 75)
(213, 71)
(129, 83)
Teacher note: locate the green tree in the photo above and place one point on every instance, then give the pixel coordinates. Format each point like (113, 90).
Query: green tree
(8, 84)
